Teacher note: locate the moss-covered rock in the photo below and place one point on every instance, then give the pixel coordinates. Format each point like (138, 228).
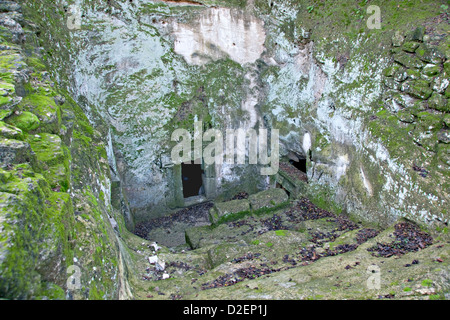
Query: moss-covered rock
(26, 121)
(438, 102)
(268, 199)
(10, 132)
(46, 110)
(431, 70)
(362, 158)
(53, 170)
(417, 88)
(229, 210)
(410, 46)
(15, 151)
(408, 60)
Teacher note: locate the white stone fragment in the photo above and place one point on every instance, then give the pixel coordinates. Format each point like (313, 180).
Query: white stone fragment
(160, 265)
(153, 259)
(155, 246)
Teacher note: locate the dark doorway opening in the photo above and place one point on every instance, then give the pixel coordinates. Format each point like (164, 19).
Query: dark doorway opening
(300, 164)
(191, 175)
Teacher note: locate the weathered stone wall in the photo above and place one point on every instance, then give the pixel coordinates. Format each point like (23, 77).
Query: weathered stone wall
(367, 109)
(56, 218)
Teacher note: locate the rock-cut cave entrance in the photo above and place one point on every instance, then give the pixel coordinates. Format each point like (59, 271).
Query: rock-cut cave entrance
(191, 175)
(300, 164)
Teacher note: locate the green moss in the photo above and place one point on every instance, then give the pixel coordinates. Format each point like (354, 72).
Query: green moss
(45, 108)
(48, 148)
(280, 233)
(26, 121)
(427, 283)
(10, 132)
(80, 136)
(36, 64)
(322, 196)
(231, 217)
(27, 199)
(4, 100)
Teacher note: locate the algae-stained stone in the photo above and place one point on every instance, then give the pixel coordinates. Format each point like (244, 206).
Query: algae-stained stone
(410, 46)
(444, 153)
(26, 121)
(10, 132)
(447, 66)
(389, 71)
(429, 121)
(194, 236)
(397, 39)
(405, 115)
(444, 136)
(391, 83)
(408, 60)
(226, 210)
(14, 151)
(418, 107)
(438, 102)
(48, 148)
(400, 75)
(268, 198)
(417, 88)
(426, 54)
(413, 74)
(431, 70)
(440, 83)
(426, 139)
(417, 34)
(447, 120)
(46, 110)
(447, 92)
(9, 6)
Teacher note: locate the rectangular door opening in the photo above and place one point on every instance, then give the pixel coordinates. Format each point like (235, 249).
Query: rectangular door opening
(191, 176)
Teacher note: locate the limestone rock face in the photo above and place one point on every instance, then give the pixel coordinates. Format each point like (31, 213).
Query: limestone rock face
(353, 107)
(220, 33)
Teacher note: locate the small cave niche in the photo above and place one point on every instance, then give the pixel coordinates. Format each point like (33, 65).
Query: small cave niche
(191, 176)
(300, 164)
